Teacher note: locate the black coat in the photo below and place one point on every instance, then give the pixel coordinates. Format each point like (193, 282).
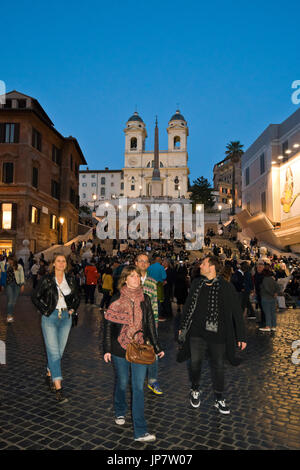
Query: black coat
(233, 319)
(45, 296)
(112, 330)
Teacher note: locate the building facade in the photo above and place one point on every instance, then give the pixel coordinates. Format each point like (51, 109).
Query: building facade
(271, 185)
(223, 182)
(39, 176)
(97, 185)
(139, 163)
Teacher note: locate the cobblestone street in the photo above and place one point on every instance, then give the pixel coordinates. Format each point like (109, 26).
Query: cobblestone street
(263, 392)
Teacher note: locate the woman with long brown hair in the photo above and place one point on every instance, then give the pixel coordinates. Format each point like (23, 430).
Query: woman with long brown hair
(129, 313)
(56, 297)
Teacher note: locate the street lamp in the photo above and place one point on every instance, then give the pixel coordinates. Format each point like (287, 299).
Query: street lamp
(230, 204)
(179, 192)
(61, 223)
(94, 198)
(220, 209)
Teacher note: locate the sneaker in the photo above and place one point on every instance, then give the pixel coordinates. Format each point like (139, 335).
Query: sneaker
(266, 328)
(222, 407)
(120, 420)
(155, 388)
(146, 438)
(195, 398)
(10, 319)
(60, 396)
(273, 328)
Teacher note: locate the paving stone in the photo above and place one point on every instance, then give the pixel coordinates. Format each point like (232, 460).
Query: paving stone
(263, 393)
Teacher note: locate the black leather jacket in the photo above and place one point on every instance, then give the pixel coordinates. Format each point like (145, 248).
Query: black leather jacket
(112, 330)
(45, 296)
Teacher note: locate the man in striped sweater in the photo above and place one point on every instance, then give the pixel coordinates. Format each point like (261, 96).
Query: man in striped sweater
(150, 288)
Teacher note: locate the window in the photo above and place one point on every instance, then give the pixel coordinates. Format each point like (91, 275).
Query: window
(6, 216)
(102, 191)
(93, 176)
(102, 180)
(247, 176)
(112, 184)
(83, 176)
(132, 187)
(36, 139)
(94, 184)
(224, 200)
(55, 189)
(9, 133)
(53, 222)
(83, 195)
(176, 142)
(34, 214)
(84, 185)
(35, 177)
(56, 155)
(21, 104)
(8, 173)
(133, 143)
(8, 104)
(262, 163)
(122, 186)
(224, 190)
(285, 147)
(72, 196)
(176, 186)
(263, 202)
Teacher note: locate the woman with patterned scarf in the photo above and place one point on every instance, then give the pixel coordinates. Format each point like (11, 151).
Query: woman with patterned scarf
(212, 321)
(129, 312)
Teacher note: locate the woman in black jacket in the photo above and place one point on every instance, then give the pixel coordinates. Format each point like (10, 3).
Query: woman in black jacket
(56, 297)
(130, 312)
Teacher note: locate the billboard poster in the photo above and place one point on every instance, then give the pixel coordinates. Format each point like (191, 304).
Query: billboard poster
(290, 190)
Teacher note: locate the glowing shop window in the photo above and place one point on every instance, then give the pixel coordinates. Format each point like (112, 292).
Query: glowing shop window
(6, 216)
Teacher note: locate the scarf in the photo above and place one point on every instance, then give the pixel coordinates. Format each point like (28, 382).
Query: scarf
(212, 317)
(128, 312)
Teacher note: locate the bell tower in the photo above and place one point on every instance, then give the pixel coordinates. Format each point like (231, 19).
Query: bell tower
(135, 135)
(177, 133)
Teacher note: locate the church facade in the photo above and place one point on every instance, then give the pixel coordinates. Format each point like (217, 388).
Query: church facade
(172, 163)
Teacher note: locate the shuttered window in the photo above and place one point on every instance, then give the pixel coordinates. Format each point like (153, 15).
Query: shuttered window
(8, 173)
(9, 133)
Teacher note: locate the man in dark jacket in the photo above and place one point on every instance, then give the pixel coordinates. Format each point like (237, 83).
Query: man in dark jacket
(212, 320)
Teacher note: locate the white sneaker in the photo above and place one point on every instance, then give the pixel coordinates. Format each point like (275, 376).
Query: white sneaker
(10, 319)
(120, 420)
(146, 438)
(273, 328)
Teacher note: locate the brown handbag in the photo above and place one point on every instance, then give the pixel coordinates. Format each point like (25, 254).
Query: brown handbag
(140, 353)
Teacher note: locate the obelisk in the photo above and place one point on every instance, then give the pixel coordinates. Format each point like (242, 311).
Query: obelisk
(156, 183)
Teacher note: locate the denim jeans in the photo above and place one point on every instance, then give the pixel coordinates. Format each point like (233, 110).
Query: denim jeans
(12, 292)
(269, 306)
(138, 374)
(56, 332)
(216, 353)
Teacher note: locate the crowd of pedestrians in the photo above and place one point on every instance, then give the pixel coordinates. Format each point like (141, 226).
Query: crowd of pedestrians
(139, 283)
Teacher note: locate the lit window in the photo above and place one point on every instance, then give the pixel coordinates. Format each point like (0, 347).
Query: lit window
(34, 215)
(6, 216)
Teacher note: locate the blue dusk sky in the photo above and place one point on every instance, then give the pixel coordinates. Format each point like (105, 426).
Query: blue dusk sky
(229, 66)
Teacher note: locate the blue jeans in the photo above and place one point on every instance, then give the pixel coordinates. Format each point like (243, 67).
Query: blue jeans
(12, 292)
(138, 374)
(56, 332)
(269, 307)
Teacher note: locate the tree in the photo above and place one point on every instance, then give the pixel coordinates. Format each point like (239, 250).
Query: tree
(201, 192)
(233, 153)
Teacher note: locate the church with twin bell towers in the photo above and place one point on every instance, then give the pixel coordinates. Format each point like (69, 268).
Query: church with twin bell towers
(162, 174)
